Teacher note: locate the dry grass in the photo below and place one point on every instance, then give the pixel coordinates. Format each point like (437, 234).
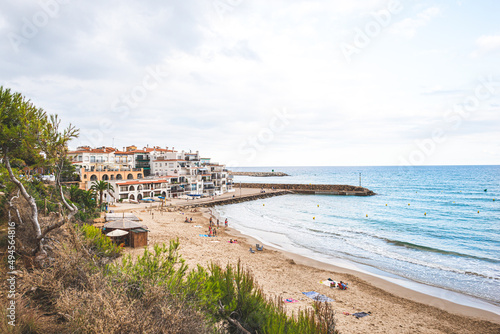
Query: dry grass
(74, 296)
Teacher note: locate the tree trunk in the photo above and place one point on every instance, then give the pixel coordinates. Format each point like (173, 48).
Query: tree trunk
(29, 199)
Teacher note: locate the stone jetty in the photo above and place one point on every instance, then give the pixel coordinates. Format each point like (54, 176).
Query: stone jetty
(319, 189)
(260, 174)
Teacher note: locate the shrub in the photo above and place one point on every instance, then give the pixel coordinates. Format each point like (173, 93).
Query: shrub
(100, 244)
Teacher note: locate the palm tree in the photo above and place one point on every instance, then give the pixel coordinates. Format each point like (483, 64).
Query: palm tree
(99, 187)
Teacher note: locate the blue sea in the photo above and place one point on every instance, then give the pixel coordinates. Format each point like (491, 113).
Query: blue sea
(431, 228)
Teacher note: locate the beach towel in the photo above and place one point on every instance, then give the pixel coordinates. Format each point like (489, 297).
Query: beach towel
(290, 300)
(361, 314)
(205, 235)
(328, 283)
(317, 296)
(197, 226)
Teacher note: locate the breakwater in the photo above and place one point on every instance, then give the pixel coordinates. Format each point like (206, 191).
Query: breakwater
(260, 174)
(319, 189)
(238, 199)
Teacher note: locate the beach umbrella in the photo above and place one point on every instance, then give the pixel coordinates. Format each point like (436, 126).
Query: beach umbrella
(117, 233)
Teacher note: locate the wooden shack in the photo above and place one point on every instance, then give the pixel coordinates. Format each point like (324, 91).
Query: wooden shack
(138, 237)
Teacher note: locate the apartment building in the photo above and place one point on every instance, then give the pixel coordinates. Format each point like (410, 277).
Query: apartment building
(136, 174)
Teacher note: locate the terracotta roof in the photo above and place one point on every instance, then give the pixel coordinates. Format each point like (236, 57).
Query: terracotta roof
(94, 150)
(122, 152)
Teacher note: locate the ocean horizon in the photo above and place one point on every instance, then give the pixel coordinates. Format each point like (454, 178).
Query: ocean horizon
(428, 227)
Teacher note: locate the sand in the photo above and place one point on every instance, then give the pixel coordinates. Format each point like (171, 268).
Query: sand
(394, 309)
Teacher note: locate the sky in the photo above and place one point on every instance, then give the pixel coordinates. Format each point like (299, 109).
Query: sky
(266, 83)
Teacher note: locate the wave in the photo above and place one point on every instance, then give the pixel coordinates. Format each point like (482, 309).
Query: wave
(437, 250)
(415, 261)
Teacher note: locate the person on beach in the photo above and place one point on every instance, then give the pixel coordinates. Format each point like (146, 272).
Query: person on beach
(217, 222)
(225, 222)
(230, 241)
(191, 219)
(210, 221)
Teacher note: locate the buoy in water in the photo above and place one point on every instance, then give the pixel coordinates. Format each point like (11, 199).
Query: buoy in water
(477, 211)
(367, 215)
(386, 205)
(314, 217)
(425, 213)
(318, 205)
(408, 204)
(263, 205)
(485, 189)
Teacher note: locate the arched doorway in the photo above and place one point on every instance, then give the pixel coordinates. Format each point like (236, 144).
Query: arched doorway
(112, 177)
(119, 177)
(132, 197)
(139, 188)
(131, 188)
(93, 177)
(139, 197)
(164, 194)
(130, 177)
(105, 177)
(139, 176)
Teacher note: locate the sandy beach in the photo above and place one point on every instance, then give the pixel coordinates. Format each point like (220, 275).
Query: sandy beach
(393, 309)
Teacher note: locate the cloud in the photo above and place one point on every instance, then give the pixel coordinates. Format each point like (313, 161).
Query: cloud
(487, 45)
(223, 76)
(408, 27)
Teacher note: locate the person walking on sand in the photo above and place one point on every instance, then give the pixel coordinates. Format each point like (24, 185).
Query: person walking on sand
(225, 222)
(217, 223)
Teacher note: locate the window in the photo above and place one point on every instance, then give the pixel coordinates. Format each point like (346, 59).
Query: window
(92, 158)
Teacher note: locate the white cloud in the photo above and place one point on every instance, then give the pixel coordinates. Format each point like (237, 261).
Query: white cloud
(487, 44)
(408, 27)
(224, 77)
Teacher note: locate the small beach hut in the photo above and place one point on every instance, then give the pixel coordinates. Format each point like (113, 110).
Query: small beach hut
(137, 234)
(138, 237)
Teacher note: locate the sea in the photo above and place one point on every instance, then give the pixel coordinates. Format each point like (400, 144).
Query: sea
(434, 229)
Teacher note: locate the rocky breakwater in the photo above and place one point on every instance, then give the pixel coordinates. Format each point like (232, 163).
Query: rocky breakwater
(237, 199)
(320, 189)
(260, 174)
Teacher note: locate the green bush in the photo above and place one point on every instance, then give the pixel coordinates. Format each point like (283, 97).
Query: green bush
(100, 244)
(228, 296)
